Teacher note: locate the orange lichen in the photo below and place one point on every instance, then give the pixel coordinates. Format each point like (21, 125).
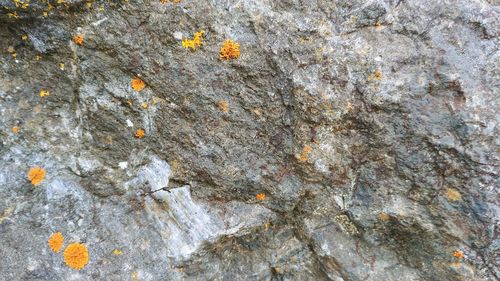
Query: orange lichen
(140, 133)
(137, 84)
(15, 129)
(194, 43)
(44, 93)
(377, 75)
(303, 156)
(56, 242)
(230, 50)
(383, 216)
(36, 175)
(78, 39)
(453, 195)
(223, 106)
(260, 196)
(76, 256)
(458, 254)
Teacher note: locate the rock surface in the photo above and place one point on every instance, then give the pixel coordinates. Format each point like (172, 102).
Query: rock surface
(371, 127)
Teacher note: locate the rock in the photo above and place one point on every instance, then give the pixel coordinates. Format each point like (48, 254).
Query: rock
(367, 128)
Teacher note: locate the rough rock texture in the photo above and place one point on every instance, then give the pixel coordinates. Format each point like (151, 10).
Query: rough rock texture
(370, 125)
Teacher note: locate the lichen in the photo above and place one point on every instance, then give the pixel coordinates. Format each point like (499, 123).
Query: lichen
(55, 242)
(194, 43)
(137, 84)
(36, 175)
(230, 50)
(140, 133)
(223, 106)
(78, 39)
(76, 256)
(260, 196)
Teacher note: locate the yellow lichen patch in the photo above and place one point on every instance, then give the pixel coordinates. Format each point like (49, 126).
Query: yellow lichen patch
(167, 1)
(56, 242)
(453, 195)
(15, 129)
(135, 276)
(140, 133)
(194, 43)
(260, 196)
(36, 175)
(223, 106)
(78, 39)
(377, 75)
(117, 252)
(137, 84)
(44, 93)
(144, 105)
(230, 50)
(76, 256)
(458, 254)
(383, 216)
(267, 225)
(303, 156)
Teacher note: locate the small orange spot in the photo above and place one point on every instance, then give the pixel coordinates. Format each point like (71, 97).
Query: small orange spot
(36, 175)
(78, 39)
(15, 129)
(383, 216)
(230, 50)
(140, 133)
(56, 242)
(267, 225)
(76, 256)
(453, 195)
(223, 106)
(458, 254)
(138, 84)
(377, 75)
(260, 196)
(44, 93)
(302, 157)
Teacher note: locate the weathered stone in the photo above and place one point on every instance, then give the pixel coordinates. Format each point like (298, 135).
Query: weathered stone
(370, 127)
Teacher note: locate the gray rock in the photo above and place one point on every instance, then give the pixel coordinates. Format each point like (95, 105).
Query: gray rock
(370, 126)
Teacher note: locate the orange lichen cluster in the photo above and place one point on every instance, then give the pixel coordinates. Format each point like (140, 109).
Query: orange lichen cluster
(302, 157)
(76, 256)
(15, 129)
(78, 39)
(230, 50)
(223, 106)
(44, 93)
(140, 133)
(383, 216)
(260, 196)
(194, 43)
(137, 84)
(458, 254)
(377, 75)
(56, 242)
(36, 175)
(453, 195)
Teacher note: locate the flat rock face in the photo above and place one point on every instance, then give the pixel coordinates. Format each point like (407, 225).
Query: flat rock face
(350, 140)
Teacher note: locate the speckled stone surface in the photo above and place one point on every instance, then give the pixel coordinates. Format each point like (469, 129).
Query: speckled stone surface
(371, 127)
